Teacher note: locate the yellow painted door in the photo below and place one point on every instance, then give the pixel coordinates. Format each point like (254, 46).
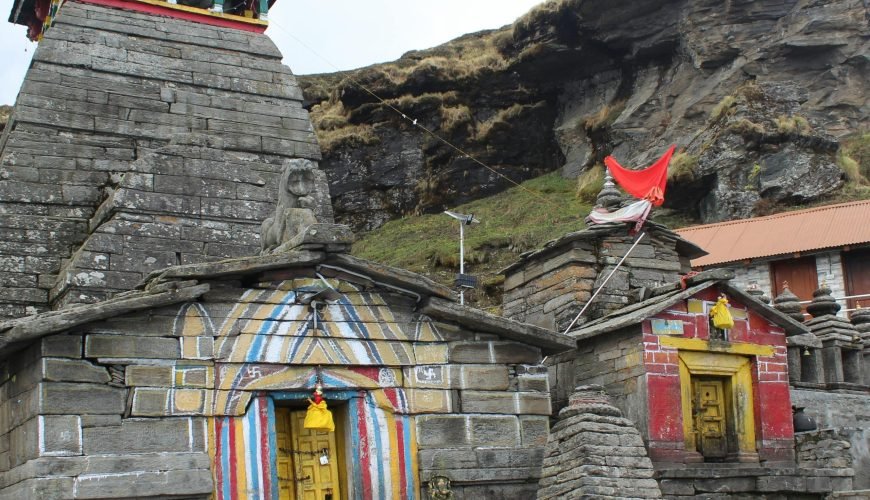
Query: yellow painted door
(710, 415)
(286, 474)
(302, 473)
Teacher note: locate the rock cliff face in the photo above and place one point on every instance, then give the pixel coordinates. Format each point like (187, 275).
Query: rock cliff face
(757, 94)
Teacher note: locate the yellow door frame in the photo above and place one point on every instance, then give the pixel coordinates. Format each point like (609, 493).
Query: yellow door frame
(737, 369)
(289, 420)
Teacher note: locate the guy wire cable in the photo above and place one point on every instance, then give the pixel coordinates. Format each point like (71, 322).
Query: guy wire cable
(413, 121)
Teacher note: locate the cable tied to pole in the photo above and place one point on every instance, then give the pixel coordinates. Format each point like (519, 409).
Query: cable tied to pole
(415, 121)
(612, 272)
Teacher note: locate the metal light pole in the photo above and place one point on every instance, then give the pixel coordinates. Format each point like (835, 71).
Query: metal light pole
(462, 280)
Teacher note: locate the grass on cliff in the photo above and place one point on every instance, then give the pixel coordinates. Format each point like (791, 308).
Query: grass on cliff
(512, 222)
(5, 113)
(854, 158)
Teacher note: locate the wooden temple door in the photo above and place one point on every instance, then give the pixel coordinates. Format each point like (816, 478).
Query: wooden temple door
(856, 265)
(307, 459)
(710, 414)
(800, 274)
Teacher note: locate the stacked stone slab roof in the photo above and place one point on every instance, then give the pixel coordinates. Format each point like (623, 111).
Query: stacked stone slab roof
(185, 283)
(594, 452)
(667, 295)
(139, 142)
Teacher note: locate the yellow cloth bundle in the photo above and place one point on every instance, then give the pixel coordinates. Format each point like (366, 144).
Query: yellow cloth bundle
(318, 417)
(721, 315)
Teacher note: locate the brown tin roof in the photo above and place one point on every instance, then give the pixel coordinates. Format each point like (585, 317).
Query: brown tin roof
(832, 226)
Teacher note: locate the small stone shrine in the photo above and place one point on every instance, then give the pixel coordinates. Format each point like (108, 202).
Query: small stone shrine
(593, 451)
(711, 404)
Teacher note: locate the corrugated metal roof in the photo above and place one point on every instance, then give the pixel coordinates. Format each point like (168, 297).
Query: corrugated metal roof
(782, 234)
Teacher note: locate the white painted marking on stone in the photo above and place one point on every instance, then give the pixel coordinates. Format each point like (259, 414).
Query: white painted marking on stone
(468, 429)
(190, 434)
(41, 437)
(274, 346)
(79, 427)
(491, 353)
(359, 351)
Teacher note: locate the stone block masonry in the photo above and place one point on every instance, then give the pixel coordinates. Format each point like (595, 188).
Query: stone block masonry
(845, 417)
(594, 452)
(548, 288)
(616, 363)
(62, 434)
(139, 142)
(148, 398)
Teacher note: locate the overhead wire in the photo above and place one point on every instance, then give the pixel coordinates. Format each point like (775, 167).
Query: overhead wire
(414, 121)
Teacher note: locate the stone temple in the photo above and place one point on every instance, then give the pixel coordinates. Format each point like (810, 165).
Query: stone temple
(176, 288)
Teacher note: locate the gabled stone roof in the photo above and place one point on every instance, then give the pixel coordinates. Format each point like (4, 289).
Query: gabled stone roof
(683, 246)
(184, 283)
(666, 296)
(16, 333)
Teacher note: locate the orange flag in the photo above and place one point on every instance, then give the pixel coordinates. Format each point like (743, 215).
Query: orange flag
(647, 184)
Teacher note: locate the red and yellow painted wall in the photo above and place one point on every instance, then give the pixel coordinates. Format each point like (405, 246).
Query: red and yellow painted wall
(677, 346)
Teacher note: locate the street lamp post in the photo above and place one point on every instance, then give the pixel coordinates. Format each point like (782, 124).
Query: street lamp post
(463, 281)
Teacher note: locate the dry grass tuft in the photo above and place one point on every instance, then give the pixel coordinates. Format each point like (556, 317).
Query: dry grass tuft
(604, 117)
(329, 115)
(415, 103)
(504, 116)
(857, 148)
(724, 108)
(589, 183)
(746, 128)
(852, 169)
(795, 124)
(358, 135)
(453, 117)
(682, 168)
(541, 14)
(750, 91)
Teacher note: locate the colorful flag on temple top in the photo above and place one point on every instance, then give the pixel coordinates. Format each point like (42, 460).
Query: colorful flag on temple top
(647, 184)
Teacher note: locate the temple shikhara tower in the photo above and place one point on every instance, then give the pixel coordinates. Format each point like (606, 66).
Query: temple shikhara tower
(175, 289)
(146, 134)
(179, 311)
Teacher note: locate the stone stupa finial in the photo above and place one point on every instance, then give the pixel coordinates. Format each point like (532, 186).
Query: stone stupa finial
(788, 304)
(823, 302)
(757, 293)
(609, 197)
(861, 321)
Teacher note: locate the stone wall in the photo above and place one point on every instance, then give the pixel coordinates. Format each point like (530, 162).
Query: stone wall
(824, 465)
(847, 416)
(549, 288)
(614, 361)
(727, 481)
(131, 124)
(92, 411)
(65, 427)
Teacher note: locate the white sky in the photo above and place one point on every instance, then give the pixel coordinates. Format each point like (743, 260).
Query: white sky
(345, 34)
